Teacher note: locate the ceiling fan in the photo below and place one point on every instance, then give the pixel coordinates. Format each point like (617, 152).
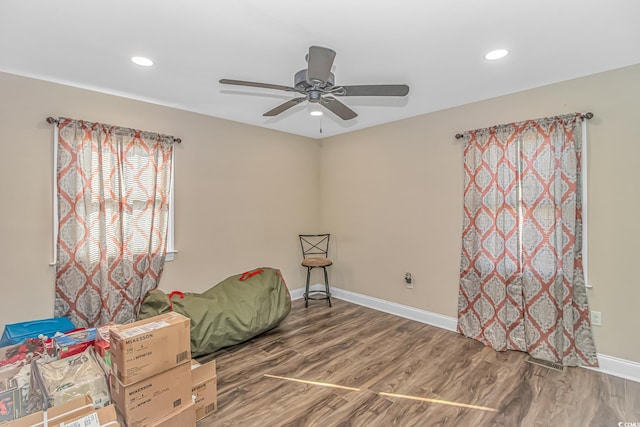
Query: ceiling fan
(317, 84)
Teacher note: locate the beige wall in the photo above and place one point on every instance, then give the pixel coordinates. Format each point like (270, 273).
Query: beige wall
(392, 197)
(242, 192)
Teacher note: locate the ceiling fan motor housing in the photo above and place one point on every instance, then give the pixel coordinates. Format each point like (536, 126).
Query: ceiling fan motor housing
(300, 82)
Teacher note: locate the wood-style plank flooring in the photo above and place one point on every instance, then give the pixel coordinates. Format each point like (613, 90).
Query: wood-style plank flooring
(362, 367)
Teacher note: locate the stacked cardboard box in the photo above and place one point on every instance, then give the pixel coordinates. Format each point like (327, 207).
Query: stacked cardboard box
(150, 378)
(76, 412)
(204, 388)
(182, 417)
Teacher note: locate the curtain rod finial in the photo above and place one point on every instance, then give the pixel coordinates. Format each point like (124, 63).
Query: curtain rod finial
(51, 120)
(459, 136)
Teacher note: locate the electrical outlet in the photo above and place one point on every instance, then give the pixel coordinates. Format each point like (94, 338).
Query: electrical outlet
(596, 318)
(408, 280)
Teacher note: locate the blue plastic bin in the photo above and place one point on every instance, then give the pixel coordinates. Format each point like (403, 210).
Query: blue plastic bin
(16, 333)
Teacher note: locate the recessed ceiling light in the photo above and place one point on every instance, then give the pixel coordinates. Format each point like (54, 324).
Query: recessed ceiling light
(142, 61)
(496, 54)
(316, 113)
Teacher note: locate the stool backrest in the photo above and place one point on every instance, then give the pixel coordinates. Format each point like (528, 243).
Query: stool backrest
(314, 245)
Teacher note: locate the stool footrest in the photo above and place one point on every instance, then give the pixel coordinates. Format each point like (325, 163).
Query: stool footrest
(317, 295)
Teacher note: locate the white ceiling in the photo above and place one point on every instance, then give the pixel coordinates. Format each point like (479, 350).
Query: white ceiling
(436, 47)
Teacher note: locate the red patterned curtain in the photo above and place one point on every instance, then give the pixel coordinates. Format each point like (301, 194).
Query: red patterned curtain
(113, 211)
(521, 280)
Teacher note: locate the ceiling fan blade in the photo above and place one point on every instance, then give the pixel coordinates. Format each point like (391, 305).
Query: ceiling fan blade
(376, 90)
(255, 84)
(320, 61)
(338, 108)
(284, 107)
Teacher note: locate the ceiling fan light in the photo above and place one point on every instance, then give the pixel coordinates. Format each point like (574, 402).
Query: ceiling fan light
(316, 113)
(142, 61)
(496, 54)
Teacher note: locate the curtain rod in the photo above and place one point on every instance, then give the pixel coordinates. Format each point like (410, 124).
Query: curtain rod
(51, 121)
(587, 116)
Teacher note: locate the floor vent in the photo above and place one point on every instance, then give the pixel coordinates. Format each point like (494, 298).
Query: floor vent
(545, 363)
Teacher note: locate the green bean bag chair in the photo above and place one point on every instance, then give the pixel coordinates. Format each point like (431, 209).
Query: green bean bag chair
(235, 310)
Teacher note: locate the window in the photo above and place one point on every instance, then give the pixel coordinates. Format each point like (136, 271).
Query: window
(112, 205)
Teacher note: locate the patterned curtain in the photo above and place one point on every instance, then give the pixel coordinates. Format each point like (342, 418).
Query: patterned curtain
(521, 280)
(113, 210)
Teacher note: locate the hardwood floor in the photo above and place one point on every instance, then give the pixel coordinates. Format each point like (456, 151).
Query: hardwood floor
(353, 366)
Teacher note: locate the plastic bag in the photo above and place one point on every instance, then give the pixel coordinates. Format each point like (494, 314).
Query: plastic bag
(65, 379)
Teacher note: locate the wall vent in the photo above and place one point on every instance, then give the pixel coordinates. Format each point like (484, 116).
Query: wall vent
(545, 363)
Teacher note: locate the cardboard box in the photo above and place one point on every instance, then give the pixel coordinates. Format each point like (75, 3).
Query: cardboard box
(57, 414)
(204, 388)
(144, 402)
(145, 348)
(77, 410)
(106, 417)
(185, 416)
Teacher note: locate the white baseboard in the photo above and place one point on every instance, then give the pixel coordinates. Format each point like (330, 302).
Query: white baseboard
(296, 293)
(608, 364)
(622, 368)
(422, 316)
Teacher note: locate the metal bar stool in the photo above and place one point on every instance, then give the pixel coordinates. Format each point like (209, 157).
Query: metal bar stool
(315, 251)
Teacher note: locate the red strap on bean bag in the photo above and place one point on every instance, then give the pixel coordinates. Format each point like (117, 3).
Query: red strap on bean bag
(248, 274)
(171, 296)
